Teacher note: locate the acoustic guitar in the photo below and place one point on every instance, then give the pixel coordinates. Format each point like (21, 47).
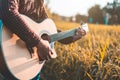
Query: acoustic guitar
(15, 59)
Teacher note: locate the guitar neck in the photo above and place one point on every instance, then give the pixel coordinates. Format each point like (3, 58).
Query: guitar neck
(62, 35)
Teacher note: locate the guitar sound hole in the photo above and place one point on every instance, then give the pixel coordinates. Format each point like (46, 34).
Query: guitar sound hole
(45, 37)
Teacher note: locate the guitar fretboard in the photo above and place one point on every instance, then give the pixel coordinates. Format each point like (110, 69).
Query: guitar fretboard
(62, 35)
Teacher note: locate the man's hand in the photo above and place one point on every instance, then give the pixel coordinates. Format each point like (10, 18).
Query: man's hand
(44, 50)
(79, 33)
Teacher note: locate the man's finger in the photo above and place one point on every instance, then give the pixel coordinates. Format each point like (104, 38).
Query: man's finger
(50, 53)
(40, 56)
(83, 33)
(31, 51)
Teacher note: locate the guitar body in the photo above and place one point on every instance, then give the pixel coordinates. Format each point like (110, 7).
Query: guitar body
(15, 59)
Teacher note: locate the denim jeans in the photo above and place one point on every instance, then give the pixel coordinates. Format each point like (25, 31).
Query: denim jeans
(37, 77)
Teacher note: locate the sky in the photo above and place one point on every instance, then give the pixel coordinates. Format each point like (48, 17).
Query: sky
(72, 7)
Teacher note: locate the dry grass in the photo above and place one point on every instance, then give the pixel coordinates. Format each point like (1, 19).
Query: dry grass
(94, 57)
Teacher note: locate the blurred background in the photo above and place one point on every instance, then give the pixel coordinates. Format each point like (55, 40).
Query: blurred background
(92, 11)
(97, 55)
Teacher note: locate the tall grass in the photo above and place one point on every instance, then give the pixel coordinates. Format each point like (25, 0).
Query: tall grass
(94, 57)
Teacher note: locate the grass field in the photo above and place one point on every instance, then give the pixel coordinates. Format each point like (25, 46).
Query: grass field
(94, 57)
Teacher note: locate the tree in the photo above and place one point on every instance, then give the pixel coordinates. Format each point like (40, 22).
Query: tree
(114, 10)
(96, 14)
(81, 18)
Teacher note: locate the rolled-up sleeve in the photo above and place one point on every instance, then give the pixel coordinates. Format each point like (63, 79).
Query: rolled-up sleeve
(14, 21)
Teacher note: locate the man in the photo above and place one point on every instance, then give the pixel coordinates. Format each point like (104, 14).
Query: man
(10, 13)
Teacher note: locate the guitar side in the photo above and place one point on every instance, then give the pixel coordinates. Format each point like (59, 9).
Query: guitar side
(3, 66)
(15, 59)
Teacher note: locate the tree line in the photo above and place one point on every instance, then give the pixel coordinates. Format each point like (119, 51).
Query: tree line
(110, 14)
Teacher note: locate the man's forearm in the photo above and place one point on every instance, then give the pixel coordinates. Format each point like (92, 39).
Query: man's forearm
(12, 19)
